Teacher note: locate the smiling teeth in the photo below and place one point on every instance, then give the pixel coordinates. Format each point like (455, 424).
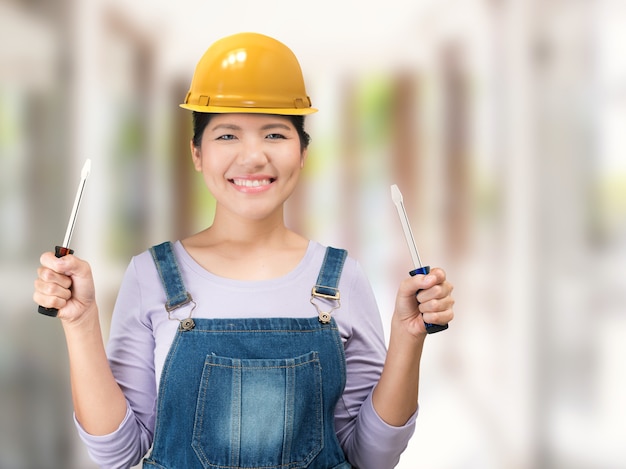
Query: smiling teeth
(251, 182)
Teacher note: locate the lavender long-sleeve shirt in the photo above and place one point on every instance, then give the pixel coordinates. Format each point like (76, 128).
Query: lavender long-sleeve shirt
(141, 334)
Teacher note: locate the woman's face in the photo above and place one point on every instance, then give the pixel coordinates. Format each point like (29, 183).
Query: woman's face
(250, 162)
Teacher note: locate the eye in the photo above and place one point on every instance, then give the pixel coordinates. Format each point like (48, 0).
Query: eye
(226, 137)
(275, 136)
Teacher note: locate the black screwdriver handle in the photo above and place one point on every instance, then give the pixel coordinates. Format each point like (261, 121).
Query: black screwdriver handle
(59, 251)
(430, 328)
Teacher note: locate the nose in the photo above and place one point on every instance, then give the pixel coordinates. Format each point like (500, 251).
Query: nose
(252, 153)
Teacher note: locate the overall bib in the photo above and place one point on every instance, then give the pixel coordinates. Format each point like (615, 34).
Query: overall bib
(250, 393)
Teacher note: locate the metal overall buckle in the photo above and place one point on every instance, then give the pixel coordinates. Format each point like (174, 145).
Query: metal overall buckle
(324, 316)
(185, 324)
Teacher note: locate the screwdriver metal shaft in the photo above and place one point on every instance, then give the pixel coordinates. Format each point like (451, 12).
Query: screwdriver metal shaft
(396, 195)
(84, 174)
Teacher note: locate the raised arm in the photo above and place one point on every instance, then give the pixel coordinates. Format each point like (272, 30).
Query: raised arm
(66, 283)
(396, 395)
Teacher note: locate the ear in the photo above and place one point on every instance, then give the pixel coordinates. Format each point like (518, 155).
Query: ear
(196, 156)
(303, 157)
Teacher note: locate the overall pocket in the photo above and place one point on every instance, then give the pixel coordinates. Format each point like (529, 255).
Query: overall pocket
(255, 413)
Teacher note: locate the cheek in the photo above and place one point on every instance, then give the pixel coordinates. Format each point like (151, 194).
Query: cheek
(213, 172)
(209, 163)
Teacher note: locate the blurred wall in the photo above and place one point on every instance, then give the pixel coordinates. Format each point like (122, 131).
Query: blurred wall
(502, 121)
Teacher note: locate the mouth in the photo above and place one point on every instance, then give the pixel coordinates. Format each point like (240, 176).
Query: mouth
(252, 182)
(252, 185)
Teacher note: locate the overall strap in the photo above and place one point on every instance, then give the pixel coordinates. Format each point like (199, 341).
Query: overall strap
(328, 281)
(171, 278)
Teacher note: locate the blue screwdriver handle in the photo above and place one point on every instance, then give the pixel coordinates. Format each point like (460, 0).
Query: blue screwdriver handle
(430, 328)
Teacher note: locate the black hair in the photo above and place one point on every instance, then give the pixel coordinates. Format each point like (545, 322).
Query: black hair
(202, 119)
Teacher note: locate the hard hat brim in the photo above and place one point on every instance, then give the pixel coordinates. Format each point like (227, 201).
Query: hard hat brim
(250, 110)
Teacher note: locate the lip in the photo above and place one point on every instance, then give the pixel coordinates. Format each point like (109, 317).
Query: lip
(252, 184)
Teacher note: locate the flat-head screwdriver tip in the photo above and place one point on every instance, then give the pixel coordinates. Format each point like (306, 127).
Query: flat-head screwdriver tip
(86, 169)
(396, 195)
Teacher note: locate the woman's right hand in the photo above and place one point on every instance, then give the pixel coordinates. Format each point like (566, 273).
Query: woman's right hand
(65, 283)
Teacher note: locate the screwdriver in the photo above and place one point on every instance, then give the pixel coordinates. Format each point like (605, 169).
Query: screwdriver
(64, 249)
(420, 269)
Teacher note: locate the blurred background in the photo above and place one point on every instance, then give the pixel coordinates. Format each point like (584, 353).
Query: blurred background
(502, 121)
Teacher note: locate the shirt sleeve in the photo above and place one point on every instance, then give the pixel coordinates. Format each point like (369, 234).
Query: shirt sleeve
(131, 356)
(368, 441)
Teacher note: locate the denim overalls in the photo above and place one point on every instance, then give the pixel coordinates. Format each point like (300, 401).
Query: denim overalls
(250, 393)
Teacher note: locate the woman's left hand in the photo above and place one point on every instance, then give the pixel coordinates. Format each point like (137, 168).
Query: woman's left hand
(433, 302)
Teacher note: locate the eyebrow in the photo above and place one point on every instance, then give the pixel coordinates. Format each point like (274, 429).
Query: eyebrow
(273, 125)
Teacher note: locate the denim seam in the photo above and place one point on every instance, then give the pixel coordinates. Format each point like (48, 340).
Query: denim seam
(235, 439)
(289, 405)
(199, 416)
(277, 367)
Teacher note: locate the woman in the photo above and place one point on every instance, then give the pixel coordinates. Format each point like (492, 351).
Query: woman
(244, 345)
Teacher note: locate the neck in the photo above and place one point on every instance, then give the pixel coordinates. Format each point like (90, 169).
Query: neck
(229, 228)
(247, 249)
(233, 234)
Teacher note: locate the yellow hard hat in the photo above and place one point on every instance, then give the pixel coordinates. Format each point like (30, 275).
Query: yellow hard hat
(249, 73)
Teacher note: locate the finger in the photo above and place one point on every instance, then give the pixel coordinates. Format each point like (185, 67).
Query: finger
(423, 282)
(49, 260)
(436, 276)
(69, 265)
(61, 265)
(50, 295)
(58, 285)
(437, 291)
(410, 285)
(49, 301)
(439, 317)
(61, 288)
(47, 275)
(437, 305)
